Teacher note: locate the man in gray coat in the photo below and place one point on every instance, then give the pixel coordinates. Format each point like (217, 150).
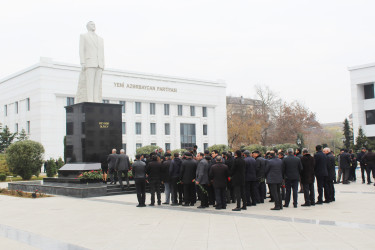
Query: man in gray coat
(122, 166)
(274, 175)
(202, 179)
(112, 159)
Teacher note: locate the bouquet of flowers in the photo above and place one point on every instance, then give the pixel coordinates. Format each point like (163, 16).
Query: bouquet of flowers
(91, 175)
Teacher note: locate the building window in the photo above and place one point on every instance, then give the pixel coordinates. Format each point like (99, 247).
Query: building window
(205, 146)
(153, 128)
(204, 111)
(370, 117)
(167, 146)
(369, 91)
(105, 101)
(16, 128)
(28, 127)
(153, 144)
(16, 107)
(6, 110)
(69, 101)
(138, 145)
(204, 129)
(138, 128)
(138, 108)
(123, 103)
(124, 128)
(167, 128)
(166, 109)
(28, 104)
(187, 135)
(152, 108)
(192, 111)
(179, 110)
(124, 147)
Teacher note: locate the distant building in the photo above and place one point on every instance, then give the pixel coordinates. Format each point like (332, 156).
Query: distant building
(241, 105)
(362, 80)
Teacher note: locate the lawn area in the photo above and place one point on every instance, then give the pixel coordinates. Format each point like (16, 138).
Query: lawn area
(18, 178)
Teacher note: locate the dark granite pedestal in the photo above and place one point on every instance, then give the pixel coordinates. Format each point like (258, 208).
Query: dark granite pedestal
(92, 131)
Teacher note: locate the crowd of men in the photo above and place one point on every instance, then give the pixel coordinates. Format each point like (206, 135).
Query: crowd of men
(241, 177)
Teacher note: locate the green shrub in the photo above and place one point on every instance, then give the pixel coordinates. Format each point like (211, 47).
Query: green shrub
(60, 163)
(147, 149)
(219, 147)
(3, 165)
(25, 158)
(3, 177)
(180, 151)
(51, 168)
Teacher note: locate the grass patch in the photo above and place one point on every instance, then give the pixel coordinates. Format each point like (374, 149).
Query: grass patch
(18, 178)
(19, 193)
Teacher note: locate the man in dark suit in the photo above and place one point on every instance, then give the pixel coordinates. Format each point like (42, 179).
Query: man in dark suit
(321, 173)
(345, 162)
(369, 161)
(238, 181)
(219, 175)
(292, 168)
(307, 178)
(187, 174)
(202, 179)
(153, 171)
(260, 165)
(274, 175)
(139, 173)
(112, 159)
(331, 167)
(360, 156)
(122, 166)
(251, 183)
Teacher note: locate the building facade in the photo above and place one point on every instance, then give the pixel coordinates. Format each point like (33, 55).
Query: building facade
(169, 112)
(363, 98)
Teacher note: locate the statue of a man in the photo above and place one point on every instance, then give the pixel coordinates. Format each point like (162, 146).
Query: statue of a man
(91, 53)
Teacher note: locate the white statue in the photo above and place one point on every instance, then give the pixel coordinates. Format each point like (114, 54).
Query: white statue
(91, 52)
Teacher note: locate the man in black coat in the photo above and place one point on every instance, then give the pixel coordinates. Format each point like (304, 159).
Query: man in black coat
(202, 179)
(219, 175)
(274, 175)
(139, 174)
(187, 174)
(229, 161)
(260, 165)
(321, 174)
(292, 168)
(251, 183)
(345, 162)
(112, 159)
(369, 161)
(307, 178)
(153, 171)
(122, 167)
(174, 174)
(360, 160)
(331, 167)
(238, 180)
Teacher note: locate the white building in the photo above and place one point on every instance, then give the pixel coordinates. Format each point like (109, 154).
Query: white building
(170, 112)
(363, 98)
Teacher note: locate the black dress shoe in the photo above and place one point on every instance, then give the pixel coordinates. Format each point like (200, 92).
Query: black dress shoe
(313, 204)
(305, 205)
(165, 203)
(295, 205)
(218, 208)
(326, 201)
(186, 205)
(286, 205)
(275, 208)
(201, 207)
(175, 204)
(243, 208)
(159, 203)
(236, 209)
(152, 204)
(319, 203)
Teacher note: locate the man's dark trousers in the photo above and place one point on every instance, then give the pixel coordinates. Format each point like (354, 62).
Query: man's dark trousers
(262, 191)
(220, 195)
(345, 173)
(155, 187)
(203, 195)
(251, 192)
(140, 186)
(368, 172)
(322, 184)
(239, 193)
(309, 193)
(275, 194)
(291, 184)
(119, 176)
(189, 193)
(331, 189)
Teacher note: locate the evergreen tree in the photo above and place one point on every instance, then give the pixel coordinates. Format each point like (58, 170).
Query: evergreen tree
(6, 138)
(22, 136)
(348, 134)
(361, 140)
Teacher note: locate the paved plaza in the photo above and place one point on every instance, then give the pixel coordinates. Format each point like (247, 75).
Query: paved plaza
(114, 222)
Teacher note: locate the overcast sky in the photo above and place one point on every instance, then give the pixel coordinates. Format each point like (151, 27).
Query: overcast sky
(300, 48)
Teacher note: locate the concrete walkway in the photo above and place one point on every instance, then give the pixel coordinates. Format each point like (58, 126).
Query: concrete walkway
(116, 223)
